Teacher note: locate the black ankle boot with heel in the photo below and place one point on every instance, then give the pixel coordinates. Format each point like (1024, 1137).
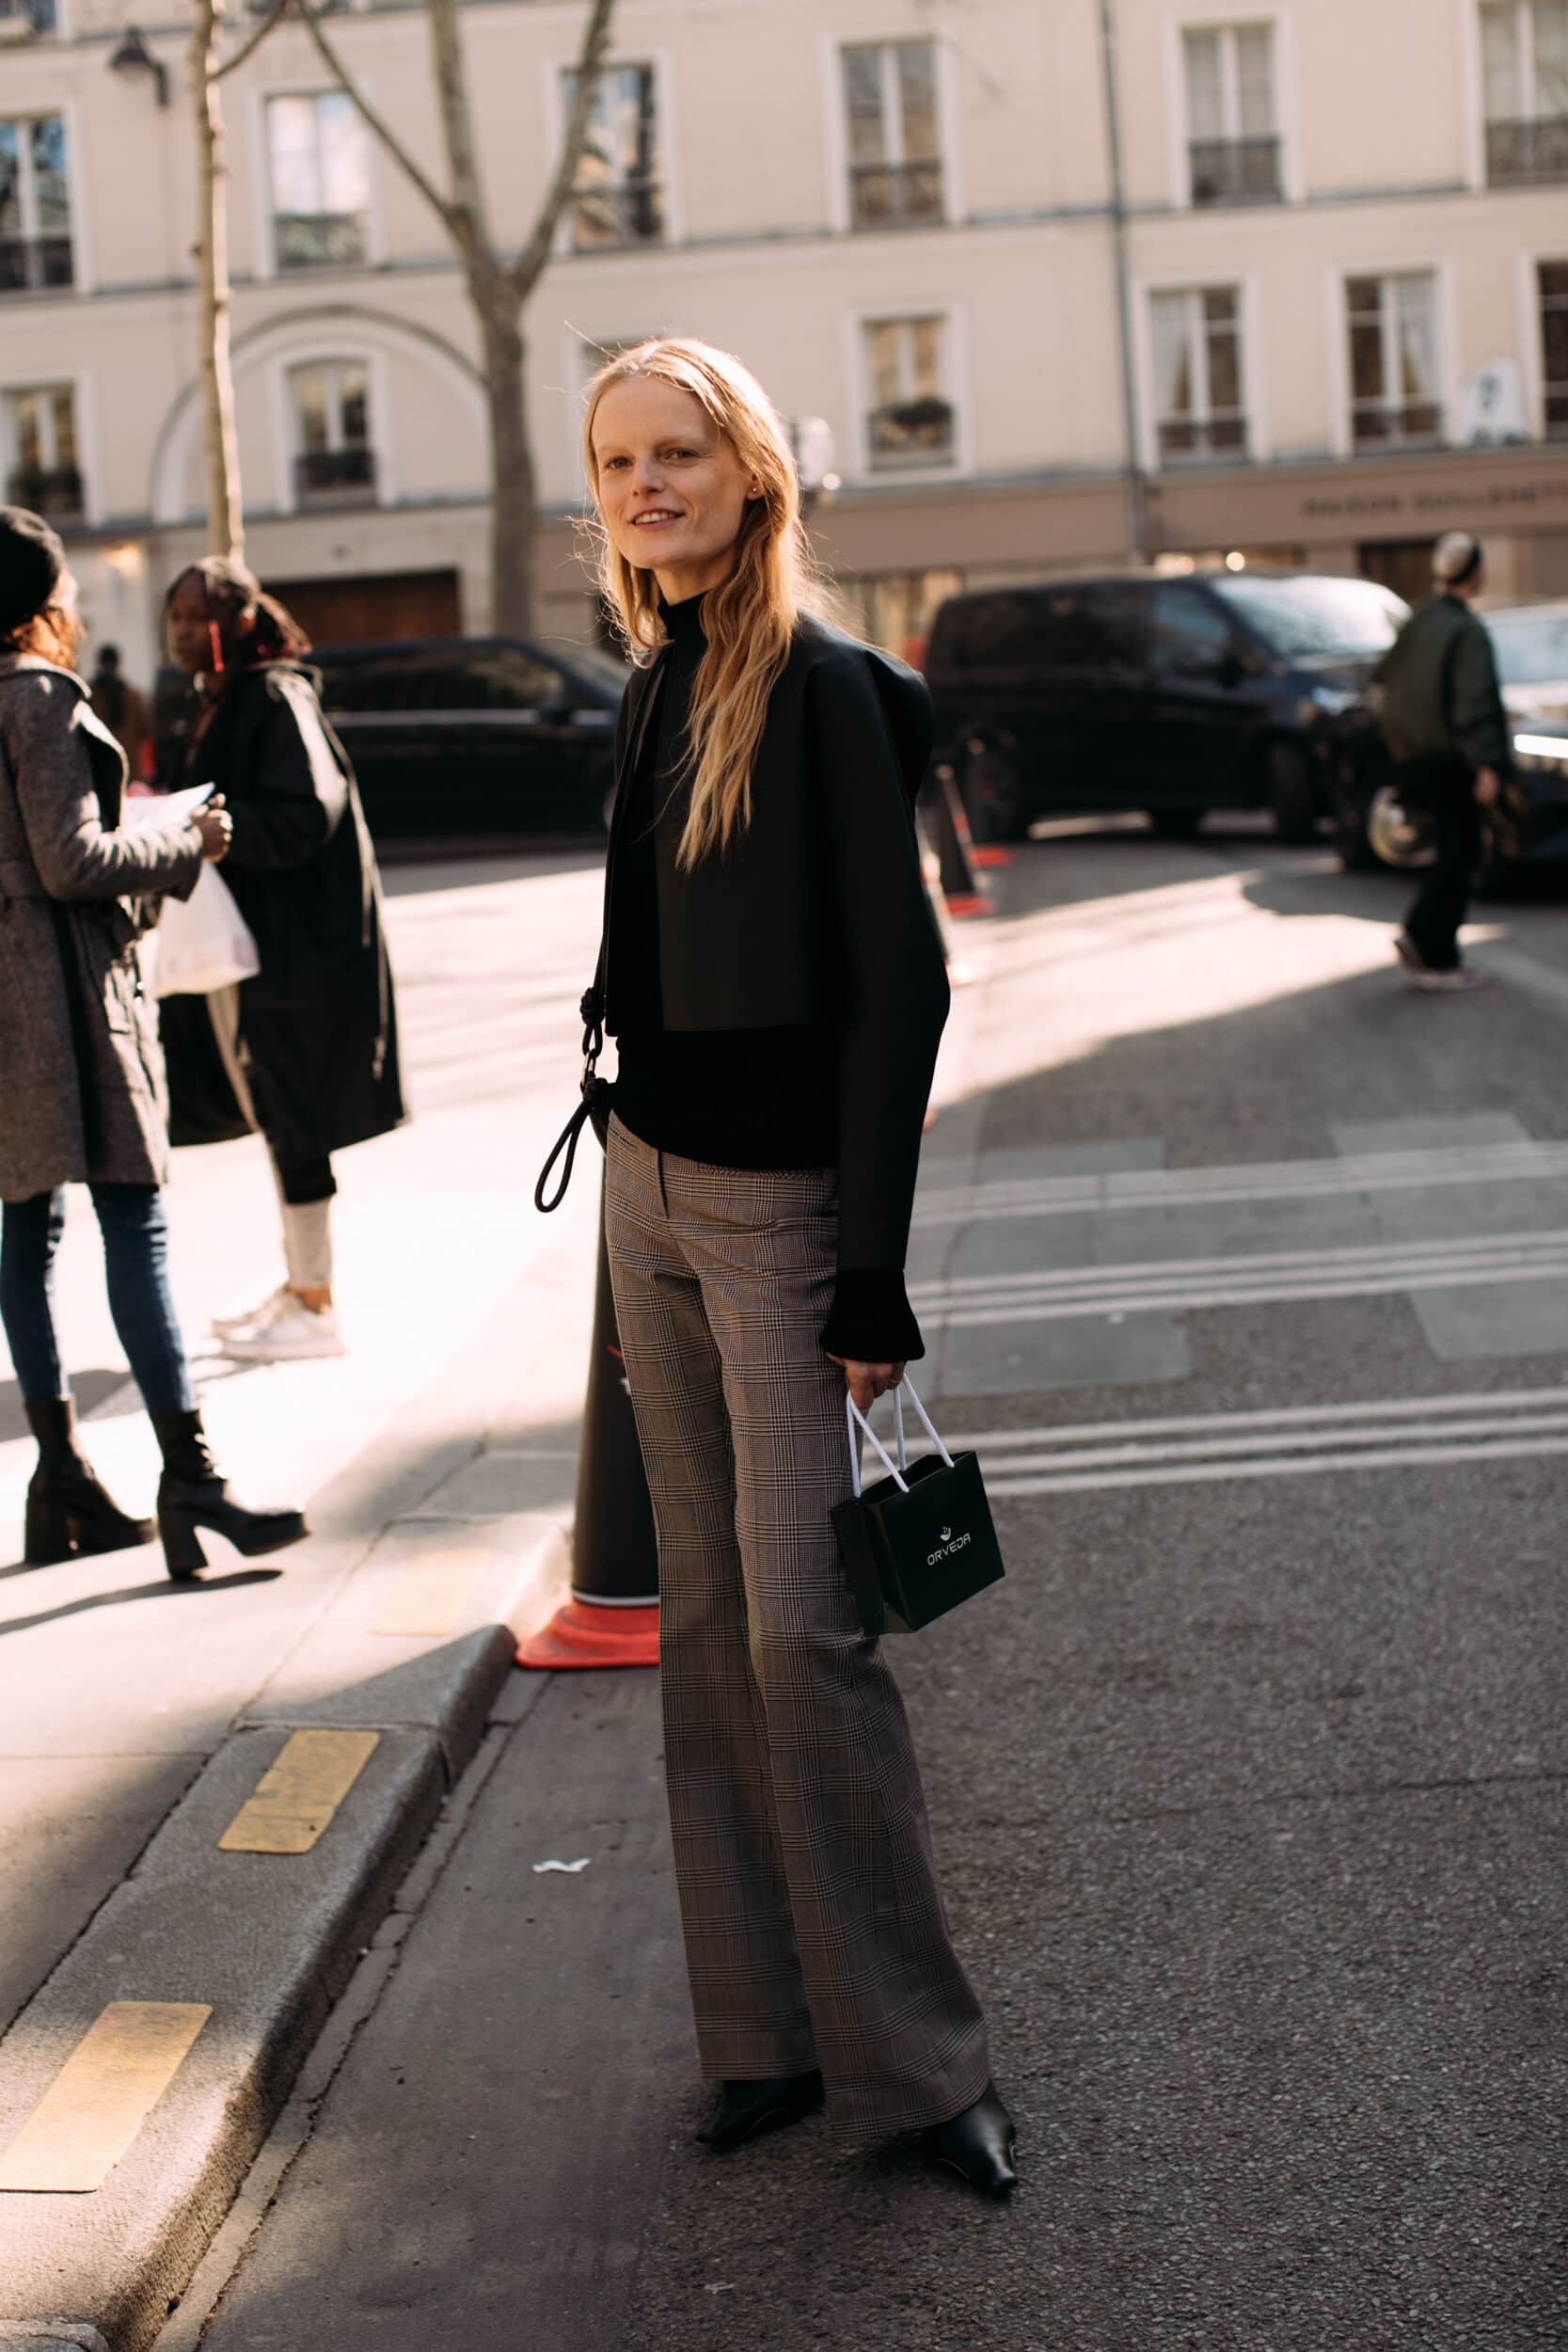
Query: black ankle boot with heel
(71, 1514)
(193, 1493)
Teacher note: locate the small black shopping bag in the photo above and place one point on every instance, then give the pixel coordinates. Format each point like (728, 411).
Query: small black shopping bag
(921, 1539)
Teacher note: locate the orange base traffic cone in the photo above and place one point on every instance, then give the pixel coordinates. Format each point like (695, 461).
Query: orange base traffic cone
(587, 1633)
(990, 853)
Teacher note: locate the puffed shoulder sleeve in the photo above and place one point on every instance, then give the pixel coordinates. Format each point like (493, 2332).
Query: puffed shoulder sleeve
(869, 731)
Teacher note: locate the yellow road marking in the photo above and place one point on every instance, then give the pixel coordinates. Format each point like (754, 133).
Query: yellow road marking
(432, 1595)
(299, 1792)
(101, 2095)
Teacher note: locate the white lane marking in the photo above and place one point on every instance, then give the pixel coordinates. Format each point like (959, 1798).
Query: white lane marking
(1281, 1180)
(1152, 1274)
(1262, 1294)
(1284, 1417)
(1129, 1455)
(1292, 1466)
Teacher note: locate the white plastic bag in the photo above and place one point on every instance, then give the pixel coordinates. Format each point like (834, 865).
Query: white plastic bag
(202, 941)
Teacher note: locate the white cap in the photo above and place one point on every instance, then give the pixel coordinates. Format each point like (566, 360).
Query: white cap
(1456, 555)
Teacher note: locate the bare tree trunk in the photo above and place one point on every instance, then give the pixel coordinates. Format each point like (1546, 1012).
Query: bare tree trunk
(513, 508)
(498, 291)
(225, 515)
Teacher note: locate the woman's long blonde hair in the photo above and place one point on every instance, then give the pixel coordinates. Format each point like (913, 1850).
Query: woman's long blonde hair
(750, 618)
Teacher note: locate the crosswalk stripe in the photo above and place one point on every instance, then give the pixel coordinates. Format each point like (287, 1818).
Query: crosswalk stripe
(1283, 1417)
(1272, 1442)
(1281, 1180)
(1292, 1466)
(1156, 1273)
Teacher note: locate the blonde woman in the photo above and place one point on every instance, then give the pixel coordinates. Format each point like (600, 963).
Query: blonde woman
(776, 990)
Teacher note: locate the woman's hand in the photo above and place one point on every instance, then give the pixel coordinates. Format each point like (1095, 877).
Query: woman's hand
(215, 826)
(867, 1382)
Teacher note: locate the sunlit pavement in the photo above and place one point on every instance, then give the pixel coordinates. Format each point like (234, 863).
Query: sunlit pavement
(1246, 1266)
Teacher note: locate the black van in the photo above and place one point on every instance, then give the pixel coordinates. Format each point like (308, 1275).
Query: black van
(485, 737)
(1174, 694)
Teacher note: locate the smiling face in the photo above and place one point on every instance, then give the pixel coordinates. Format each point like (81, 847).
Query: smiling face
(671, 485)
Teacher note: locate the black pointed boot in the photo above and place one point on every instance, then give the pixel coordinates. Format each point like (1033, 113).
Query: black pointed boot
(979, 2143)
(193, 1493)
(69, 1513)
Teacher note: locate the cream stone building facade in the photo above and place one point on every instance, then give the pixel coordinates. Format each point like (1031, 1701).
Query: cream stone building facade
(1312, 301)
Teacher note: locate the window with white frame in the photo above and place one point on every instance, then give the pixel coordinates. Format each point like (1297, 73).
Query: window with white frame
(1199, 400)
(43, 471)
(912, 421)
(619, 196)
(38, 16)
(1552, 279)
(1394, 385)
(1233, 147)
(1525, 54)
(34, 206)
(321, 181)
(334, 458)
(890, 102)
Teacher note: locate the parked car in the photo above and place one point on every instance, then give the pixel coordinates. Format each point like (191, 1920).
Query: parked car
(1171, 694)
(476, 737)
(1532, 645)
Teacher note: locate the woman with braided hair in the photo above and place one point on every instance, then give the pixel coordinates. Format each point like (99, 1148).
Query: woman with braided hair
(306, 1053)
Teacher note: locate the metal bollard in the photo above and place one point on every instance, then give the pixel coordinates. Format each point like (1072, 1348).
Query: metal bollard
(611, 1618)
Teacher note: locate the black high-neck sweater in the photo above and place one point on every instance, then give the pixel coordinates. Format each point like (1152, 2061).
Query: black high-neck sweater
(731, 1098)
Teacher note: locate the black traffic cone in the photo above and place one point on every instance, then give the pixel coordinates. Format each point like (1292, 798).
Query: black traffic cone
(960, 883)
(611, 1618)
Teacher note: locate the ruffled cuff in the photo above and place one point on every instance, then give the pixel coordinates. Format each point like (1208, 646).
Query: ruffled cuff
(871, 1321)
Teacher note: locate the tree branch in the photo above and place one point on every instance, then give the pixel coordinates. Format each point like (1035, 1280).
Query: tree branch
(442, 206)
(530, 262)
(248, 49)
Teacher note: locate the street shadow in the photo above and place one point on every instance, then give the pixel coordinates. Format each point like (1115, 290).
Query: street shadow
(411, 869)
(167, 1588)
(90, 1389)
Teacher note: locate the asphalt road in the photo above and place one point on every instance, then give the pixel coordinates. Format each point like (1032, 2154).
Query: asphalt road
(1249, 1267)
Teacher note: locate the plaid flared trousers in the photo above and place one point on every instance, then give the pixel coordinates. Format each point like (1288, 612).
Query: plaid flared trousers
(815, 1932)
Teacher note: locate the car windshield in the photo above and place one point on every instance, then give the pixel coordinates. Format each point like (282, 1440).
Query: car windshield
(1532, 647)
(602, 668)
(1316, 620)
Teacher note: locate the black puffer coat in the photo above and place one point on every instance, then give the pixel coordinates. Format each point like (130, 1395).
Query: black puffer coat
(318, 1023)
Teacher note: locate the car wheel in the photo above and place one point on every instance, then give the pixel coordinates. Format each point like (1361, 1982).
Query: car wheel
(1176, 824)
(1290, 794)
(991, 794)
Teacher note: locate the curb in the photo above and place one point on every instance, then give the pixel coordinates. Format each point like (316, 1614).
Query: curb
(405, 1660)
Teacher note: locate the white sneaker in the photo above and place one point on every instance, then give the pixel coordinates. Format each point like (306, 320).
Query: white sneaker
(245, 1317)
(1459, 982)
(292, 1334)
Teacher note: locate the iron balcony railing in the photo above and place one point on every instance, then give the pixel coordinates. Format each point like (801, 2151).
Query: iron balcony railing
(319, 240)
(612, 214)
(912, 433)
(1378, 424)
(895, 196)
(1525, 155)
(336, 477)
(1183, 439)
(1235, 171)
(55, 490)
(34, 265)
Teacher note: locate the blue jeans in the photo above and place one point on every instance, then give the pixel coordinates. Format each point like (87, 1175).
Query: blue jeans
(135, 1247)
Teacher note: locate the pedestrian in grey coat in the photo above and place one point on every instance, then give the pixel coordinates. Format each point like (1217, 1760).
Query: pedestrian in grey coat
(82, 1096)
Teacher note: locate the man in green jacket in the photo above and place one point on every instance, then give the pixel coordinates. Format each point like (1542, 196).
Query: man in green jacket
(1443, 719)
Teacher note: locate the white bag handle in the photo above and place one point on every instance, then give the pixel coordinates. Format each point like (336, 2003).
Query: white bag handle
(853, 1416)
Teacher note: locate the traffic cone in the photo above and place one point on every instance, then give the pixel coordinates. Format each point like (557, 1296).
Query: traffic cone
(611, 1618)
(960, 883)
